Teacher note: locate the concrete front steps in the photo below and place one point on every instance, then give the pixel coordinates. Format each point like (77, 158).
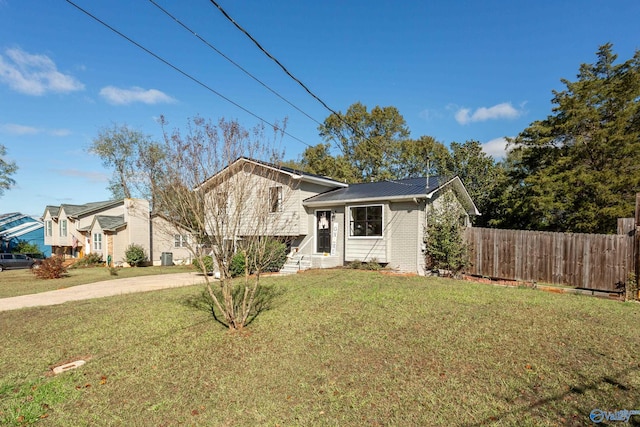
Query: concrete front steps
(294, 264)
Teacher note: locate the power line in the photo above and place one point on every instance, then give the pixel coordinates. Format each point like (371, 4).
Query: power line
(355, 130)
(231, 60)
(184, 73)
(226, 15)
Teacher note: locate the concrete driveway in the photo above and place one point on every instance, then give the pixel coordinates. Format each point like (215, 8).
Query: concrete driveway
(106, 288)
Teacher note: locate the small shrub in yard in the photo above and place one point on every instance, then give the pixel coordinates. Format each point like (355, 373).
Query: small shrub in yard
(238, 265)
(135, 255)
(90, 260)
(51, 268)
(208, 263)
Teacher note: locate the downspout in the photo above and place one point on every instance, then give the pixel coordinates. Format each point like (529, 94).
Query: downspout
(423, 232)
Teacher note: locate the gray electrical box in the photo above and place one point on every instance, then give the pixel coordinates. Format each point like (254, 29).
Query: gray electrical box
(166, 258)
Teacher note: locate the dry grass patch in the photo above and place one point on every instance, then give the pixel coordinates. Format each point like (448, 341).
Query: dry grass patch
(337, 348)
(24, 282)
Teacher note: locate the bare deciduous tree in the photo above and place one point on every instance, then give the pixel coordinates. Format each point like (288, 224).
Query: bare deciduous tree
(220, 182)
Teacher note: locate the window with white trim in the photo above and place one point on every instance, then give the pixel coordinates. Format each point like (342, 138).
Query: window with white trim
(180, 241)
(221, 202)
(275, 199)
(97, 241)
(49, 228)
(366, 221)
(63, 228)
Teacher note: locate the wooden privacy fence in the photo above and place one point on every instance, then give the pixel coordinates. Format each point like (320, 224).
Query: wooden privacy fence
(589, 261)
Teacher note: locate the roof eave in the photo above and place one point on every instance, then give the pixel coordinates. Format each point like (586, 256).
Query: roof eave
(403, 198)
(472, 208)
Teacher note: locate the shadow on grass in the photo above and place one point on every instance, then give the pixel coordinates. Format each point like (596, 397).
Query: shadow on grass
(265, 298)
(574, 390)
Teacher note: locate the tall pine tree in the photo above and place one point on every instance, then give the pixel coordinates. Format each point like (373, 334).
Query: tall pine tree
(579, 169)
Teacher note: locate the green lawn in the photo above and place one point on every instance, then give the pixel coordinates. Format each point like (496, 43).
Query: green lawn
(24, 282)
(337, 348)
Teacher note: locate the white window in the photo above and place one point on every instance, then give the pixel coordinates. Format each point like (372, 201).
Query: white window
(49, 228)
(275, 199)
(63, 228)
(366, 221)
(221, 201)
(97, 241)
(180, 241)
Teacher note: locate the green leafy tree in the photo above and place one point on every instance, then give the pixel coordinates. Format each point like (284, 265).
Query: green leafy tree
(369, 141)
(421, 157)
(446, 248)
(481, 175)
(6, 170)
(319, 160)
(134, 158)
(26, 248)
(577, 170)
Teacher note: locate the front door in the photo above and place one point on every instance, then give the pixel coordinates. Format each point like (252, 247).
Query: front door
(323, 231)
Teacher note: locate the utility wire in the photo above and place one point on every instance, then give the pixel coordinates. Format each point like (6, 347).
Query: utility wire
(226, 15)
(355, 130)
(184, 73)
(231, 60)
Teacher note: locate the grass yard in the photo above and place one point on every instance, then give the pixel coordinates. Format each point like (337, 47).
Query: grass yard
(23, 282)
(337, 348)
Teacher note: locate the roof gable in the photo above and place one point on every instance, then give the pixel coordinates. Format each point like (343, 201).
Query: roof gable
(293, 174)
(76, 211)
(108, 222)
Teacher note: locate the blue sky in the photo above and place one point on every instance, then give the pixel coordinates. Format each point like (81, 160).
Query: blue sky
(455, 70)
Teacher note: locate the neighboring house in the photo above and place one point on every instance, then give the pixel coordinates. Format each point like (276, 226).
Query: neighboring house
(104, 228)
(167, 239)
(328, 223)
(16, 227)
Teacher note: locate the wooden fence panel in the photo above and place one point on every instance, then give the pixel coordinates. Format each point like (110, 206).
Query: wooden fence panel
(589, 261)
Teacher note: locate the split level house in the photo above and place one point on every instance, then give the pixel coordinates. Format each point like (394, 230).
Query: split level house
(325, 223)
(107, 228)
(328, 223)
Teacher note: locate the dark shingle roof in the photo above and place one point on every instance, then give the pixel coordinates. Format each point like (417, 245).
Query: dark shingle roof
(110, 223)
(411, 187)
(78, 210)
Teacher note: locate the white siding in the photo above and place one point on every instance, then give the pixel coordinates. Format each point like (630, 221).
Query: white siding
(163, 240)
(366, 248)
(404, 236)
(138, 229)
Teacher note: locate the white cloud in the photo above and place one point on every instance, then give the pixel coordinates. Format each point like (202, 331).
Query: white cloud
(34, 74)
(16, 129)
(499, 111)
(91, 176)
(59, 132)
(118, 96)
(497, 148)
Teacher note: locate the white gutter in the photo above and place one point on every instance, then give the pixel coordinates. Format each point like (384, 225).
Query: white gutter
(404, 198)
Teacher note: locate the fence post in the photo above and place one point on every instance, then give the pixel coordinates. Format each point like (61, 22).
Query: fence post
(636, 249)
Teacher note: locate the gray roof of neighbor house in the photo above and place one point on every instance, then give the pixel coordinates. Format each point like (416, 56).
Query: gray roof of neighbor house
(392, 190)
(110, 223)
(75, 211)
